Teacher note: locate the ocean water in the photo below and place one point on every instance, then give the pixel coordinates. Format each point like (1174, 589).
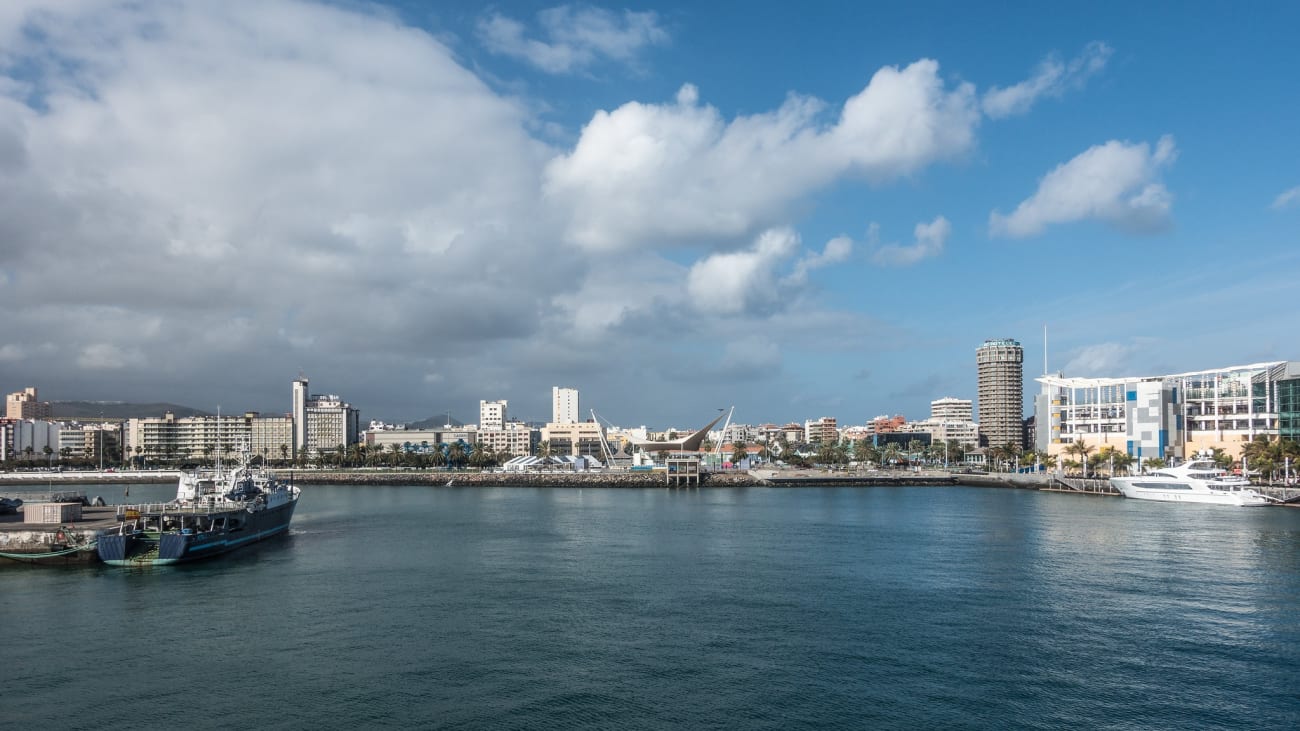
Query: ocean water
(510, 608)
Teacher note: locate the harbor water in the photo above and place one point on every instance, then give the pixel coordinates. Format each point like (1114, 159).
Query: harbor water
(559, 608)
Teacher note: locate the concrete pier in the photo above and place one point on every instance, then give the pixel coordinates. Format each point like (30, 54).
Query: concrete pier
(53, 543)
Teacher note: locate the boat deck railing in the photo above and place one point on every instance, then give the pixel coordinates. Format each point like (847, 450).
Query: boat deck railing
(223, 506)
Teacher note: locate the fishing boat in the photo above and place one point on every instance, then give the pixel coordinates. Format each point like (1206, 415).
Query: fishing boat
(215, 511)
(1198, 481)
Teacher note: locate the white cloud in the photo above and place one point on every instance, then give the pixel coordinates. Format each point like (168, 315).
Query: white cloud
(576, 36)
(1103, 359)
(1052, 78)
(837, 250)
(1287, 198)
(930, 239)
(677, 173)
(733, 282)
(1116, 182)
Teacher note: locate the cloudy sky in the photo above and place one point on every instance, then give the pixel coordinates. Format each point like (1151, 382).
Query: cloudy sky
(804, 210)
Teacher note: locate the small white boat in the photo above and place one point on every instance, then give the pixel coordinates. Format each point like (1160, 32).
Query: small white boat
(1198, 481)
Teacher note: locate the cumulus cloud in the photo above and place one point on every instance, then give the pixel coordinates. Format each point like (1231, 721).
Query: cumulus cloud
(930, 239)
(733, 282)
(1052, 78)
(1116, 182)
(1287, 199)
(574, 37)
(679, 173)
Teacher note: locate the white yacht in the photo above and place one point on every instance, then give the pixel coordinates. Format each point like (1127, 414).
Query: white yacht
(1198, 481)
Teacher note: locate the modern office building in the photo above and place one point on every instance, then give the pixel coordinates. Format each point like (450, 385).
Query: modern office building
(952, 409)
(1001, 392)
(25, 405)
(1170, 417)
(1281, 383)
(564, 405)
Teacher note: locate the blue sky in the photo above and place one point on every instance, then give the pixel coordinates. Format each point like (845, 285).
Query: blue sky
(811, 210)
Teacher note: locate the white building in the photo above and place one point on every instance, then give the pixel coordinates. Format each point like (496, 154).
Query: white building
(491, 415)
(207, 437)
(564, 405)
(321, 422)
(514, 438)
(952, 409)
(1170, 416)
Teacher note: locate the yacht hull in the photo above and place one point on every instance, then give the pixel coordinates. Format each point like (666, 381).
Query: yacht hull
(1152, 490)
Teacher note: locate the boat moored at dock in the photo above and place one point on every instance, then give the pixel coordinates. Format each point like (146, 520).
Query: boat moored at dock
(214, 512)
(1197, 481)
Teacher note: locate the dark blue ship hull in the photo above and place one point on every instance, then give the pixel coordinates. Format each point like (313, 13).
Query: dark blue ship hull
(238, 528)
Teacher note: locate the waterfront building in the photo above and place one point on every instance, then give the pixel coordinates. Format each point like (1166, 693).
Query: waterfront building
(1283, 379)
(1172, 416)
(1138, 416)
(491, 415)
(952, 409)
(299, 414)
(822, 431)
(514, 438)
(321, 422)
(1000, 366)
(582, 438)
(421, 440)
(25, 405)
(207, 437)
(331, 423)
(793, 433)
(962, 432)
(29, 438)
(564, 405)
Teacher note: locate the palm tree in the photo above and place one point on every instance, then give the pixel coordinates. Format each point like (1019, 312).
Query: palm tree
(1153, 463)
(1123, 460)
(738, 451)
(284, 453)
(544, 448)
(1080, 449)
(456, 455)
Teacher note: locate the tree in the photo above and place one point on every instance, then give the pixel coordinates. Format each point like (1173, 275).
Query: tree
(738, 451)
(284, 452)
(1080, 449)
(456, 455)
(544, 449)
(1153, 463)
(1123, 460)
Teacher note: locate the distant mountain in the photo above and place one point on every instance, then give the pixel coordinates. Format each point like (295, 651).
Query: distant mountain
(117, 410)
(435, 422)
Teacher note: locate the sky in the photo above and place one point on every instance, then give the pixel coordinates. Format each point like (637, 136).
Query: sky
(799, 209)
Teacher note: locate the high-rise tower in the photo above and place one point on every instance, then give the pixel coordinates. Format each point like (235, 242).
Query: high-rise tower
(564, 405)
(1001, 392)
(299, 413)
